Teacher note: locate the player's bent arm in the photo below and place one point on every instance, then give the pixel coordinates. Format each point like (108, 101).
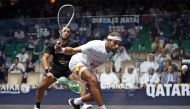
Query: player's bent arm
(70, 50)
(45, 58)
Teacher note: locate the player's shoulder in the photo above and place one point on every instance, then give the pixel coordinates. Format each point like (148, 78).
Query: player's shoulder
(52, 43)
(73, 43)
(72, 40)
(96, 41)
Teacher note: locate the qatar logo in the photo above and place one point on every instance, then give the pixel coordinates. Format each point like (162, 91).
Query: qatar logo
(168, 90)
(25, 88)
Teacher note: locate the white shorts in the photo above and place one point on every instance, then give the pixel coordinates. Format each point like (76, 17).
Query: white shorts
(77, 67)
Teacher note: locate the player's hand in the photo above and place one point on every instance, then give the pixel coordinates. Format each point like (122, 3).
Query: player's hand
(49, 75)
(58, 47)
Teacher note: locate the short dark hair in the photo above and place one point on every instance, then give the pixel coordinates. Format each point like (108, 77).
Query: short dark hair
(17, 58)
(64, 25)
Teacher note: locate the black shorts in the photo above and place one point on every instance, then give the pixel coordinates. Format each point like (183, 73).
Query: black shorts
(57, 72)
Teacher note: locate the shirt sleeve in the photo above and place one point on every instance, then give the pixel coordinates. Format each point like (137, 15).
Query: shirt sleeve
(49, 48)
(86, 48)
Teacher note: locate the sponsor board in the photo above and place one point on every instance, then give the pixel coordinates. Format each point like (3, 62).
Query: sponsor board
(14, 89)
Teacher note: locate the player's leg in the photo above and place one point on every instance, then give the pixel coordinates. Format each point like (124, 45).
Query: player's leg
(44, 84)
(95, 91)
(88, 97)
(74, 76)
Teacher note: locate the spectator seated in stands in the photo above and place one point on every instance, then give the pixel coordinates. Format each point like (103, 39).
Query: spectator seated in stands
(163, 66)
(179, 54)
(162, 56)
(17, 67)
(157, 45)
(24, 59)
(130, 77)
(23, 56)
(150, 77)
(171, 46)
(170, 76)
(108, 77)
(144, 66)
(119, 56)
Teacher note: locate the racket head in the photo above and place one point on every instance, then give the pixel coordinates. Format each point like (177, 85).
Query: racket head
(74, 86)
(65, 15)
(62, 80)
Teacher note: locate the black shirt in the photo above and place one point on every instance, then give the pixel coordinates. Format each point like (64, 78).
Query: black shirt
(60, 60)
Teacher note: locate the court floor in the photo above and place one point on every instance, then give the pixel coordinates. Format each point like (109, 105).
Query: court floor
(108, 106)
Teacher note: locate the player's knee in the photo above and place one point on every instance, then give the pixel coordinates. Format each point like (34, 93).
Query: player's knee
(42, 87)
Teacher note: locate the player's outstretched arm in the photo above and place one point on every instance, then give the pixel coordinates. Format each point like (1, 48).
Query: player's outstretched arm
(70, 50)
(66, 50)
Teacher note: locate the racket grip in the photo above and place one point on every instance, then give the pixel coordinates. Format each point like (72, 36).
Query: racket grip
(58, 42)
(58, 48)
(63, 50)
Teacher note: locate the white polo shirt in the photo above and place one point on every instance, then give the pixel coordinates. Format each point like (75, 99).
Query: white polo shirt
(93, 55)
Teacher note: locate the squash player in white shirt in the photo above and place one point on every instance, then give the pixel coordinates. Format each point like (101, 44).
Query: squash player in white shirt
(88, 57)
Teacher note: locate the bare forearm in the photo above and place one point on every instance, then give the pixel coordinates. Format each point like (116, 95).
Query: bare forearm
(45, 61)
(45, 64)
(70, 50)
(66, 50)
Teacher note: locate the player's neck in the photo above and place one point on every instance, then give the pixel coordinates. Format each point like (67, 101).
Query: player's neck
(64, 41)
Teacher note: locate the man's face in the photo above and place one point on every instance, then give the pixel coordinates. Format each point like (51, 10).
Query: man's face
(23, 50)
(16, 61)
(65, 32)
(151, 58)
(151, 71)
(107, 69)
(113, 45)
(170, 69)
(130, 70)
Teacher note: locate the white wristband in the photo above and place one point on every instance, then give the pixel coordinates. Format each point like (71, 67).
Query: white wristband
(63, 50)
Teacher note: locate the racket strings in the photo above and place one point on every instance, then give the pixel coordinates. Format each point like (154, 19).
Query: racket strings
(74, 86)
(65, 15)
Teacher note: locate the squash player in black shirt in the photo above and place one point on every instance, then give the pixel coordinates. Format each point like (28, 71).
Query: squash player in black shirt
(59, 66)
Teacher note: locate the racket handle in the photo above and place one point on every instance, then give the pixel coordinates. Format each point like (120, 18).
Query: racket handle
(58, 42)
(58, 48)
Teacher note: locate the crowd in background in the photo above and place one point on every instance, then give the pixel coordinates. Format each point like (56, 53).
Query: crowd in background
(160, 41)
(14, 9)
